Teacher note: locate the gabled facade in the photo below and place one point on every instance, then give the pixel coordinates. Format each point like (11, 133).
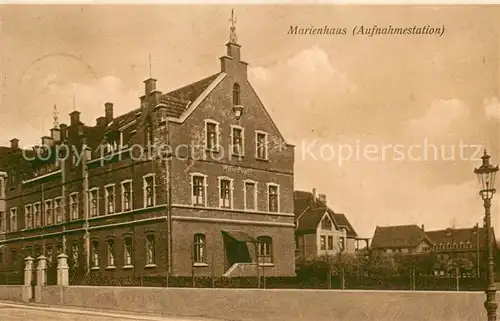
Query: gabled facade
(319, 231)
(197, 179)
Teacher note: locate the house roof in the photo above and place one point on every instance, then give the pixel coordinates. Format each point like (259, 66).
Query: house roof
(460, 235)
(308, 214)
(175, 101)
(398, 236)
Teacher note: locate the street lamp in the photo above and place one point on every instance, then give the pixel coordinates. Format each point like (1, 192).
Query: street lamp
(486, 176)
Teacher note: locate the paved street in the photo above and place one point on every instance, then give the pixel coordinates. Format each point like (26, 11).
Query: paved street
(17, 312)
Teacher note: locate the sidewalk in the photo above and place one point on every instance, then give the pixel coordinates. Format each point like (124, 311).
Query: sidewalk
(116, 314)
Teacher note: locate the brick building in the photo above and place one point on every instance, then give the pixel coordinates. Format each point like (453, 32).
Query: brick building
(197, 178)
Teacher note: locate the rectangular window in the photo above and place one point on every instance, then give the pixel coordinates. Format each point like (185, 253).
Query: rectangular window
(225, 195)
(75, 255)
(261, 145)
(95, 254)
(28, 216)
(199, 248)
(126, 196)
(111, 253)
(330, 242)
(150, 249)
(2, 221)
(273, 198)
(13, 219)
(49, 220)
(250, 196)
(264, 249)
(94, 202)
(198, 193)
(322, 242)
(73, 205)
(211, 135)
(342, 244)
(110, 199)
(237, 141)
(58, 209)
(38, 214)
(149, 191)
(127, 255)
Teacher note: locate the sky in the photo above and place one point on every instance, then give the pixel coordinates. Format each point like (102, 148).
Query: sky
(403, 107)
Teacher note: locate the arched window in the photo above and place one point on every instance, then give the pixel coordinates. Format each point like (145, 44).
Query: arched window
(236, 94)
(265, 249)
(199, 248)
(326, 224)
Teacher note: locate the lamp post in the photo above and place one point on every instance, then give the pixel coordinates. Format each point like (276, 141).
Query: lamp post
(486, 176)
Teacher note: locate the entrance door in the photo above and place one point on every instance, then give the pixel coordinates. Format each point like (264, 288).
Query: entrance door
(237, 252)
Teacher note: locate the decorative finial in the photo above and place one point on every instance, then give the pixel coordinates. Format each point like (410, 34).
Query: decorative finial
(56, 117)
(232, 28)
(150, 74)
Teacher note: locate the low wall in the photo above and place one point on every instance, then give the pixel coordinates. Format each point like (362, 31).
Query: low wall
(276, 305)
(18, 293)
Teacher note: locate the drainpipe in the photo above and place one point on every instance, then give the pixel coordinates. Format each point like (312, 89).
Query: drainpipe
(86, 237)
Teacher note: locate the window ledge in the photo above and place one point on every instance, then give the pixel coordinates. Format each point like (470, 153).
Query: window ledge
(126, 267)
(111, 267)
(212, 150)
(200, 264)
(238, 155)
(150, 265)
(95, 268)
(266, 264)
(262, 159)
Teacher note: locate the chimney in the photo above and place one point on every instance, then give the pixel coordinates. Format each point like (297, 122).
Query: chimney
(47, 141)
(150, 85)
(314, 195)
(423, 229)
(55, 133)
(64, 134)
(74, 117)
(14, 143)
(322, 198)
(100, 122)
(108, 112)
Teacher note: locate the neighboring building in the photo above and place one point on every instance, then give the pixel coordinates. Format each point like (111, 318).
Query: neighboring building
(219, 199)
(460, 247)
(400, 239)
(319, 230)
(457, 244)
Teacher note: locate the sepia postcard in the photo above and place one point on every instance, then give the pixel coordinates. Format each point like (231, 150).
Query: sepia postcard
(249, 162)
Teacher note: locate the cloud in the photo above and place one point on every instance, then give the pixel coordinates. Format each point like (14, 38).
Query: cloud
(90, 97)
(308, 83)
(492, 107)
(440, 116)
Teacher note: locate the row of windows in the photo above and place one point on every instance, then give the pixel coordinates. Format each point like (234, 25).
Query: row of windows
(53, 208)
(226, 199)
(237, 140)
(264, 252)
(323, 242)
(461, 245)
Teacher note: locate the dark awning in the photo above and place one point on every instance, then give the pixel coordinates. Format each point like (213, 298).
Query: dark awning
(240, 236)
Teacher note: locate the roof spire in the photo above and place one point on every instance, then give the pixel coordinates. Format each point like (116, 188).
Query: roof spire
(56, 117)
(232, 28)
(150, 74)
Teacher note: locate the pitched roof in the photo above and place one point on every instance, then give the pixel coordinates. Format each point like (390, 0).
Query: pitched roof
(308, 214)
(398, 236)
(454, 235)
(178, 100)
